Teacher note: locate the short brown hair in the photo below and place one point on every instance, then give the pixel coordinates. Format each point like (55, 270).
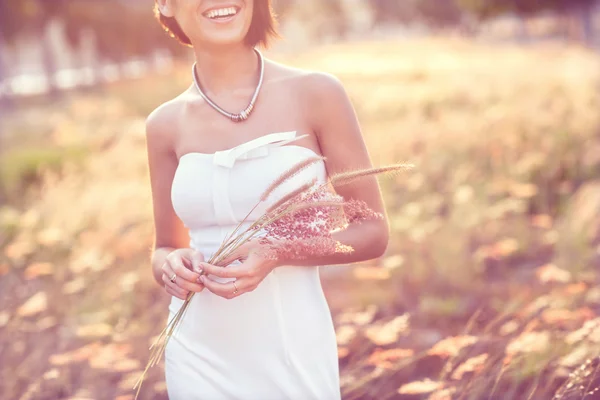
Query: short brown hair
(262, 28)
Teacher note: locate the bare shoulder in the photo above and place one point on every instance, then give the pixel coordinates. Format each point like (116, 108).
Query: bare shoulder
(328, 110)
(321, 95)
(310, 82)
(162, 122)
(323, 85)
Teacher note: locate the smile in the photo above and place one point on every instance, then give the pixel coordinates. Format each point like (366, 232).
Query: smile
(221, 13)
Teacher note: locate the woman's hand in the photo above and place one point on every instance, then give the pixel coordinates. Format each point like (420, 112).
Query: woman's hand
(181, 271)
(248, 275)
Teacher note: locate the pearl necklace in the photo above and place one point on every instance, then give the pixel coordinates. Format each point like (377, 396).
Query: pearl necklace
(242, 116)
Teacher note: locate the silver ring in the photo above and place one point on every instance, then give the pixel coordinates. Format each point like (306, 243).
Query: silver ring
(173, 278)
(235, 289)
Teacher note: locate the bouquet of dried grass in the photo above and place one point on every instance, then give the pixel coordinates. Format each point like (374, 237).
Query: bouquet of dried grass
(297, 226)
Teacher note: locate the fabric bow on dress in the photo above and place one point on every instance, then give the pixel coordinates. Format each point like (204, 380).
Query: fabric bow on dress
(258, 147)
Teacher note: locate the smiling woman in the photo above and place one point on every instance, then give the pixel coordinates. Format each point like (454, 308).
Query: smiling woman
(264, 331)
(262, 24)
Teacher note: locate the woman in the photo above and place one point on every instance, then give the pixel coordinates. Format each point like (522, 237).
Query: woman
(257, 329)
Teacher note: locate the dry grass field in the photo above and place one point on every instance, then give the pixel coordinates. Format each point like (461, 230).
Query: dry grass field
(490, 286)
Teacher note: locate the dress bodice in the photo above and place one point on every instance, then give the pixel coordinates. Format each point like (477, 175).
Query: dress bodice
(212, 193)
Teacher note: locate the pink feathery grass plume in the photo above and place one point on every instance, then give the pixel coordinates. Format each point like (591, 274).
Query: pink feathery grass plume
(301, 249)
(358, 211)
(344, 178)
(306, 231)
(290, 173)
(306, 215)
(297, 226)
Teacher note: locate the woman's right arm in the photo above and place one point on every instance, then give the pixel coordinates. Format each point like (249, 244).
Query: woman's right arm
(170, 253)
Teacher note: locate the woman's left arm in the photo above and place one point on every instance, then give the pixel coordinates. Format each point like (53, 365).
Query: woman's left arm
(342, 144)
(338, 131)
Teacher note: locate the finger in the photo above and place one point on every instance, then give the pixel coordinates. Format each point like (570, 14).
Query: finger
(240, 253)
(181, 281)
(225, 290)
(245, 285)
(230, 258)
(171, 292)
(175, 293)
(176, 264)
(173, 289)
(233, 271)
(196, 259)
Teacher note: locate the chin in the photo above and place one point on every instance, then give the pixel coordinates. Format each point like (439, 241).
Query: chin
(225, 24)
(224, 40)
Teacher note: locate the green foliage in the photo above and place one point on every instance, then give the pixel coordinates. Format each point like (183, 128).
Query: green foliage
(20, 168)
(483, 8)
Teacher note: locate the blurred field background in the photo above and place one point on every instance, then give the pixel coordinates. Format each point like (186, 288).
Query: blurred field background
(489, 288)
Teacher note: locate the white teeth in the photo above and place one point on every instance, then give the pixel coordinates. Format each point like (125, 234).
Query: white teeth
(221, 12)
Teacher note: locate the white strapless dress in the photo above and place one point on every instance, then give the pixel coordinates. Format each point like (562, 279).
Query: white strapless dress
(275, 343)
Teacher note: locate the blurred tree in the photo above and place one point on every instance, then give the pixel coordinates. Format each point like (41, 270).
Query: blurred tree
(439, 13)
(122, 29)
(320, 18)
(484, 9)
(432, 12)
(3, 11)
(283, 7)
(452, 12)
(581, 9)
(18, 16)
(393, 11)
(337, 13)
